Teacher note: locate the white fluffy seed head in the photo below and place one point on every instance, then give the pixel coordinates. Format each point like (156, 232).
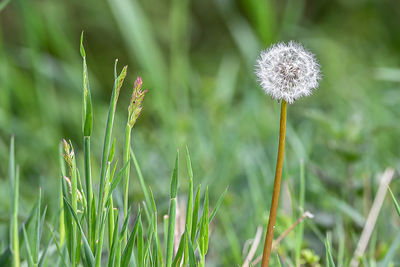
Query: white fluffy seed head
(287, 71)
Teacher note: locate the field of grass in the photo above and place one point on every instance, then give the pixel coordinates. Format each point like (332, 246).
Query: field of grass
(197, 61)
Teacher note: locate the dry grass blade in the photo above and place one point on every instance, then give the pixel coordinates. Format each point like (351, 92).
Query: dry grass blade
(372, 216)
(305, 215)
(253, 249)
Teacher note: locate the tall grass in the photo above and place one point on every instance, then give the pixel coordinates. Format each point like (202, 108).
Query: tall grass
(81, 235)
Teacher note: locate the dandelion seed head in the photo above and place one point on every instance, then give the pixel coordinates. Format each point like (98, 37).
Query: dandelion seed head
(287, 71)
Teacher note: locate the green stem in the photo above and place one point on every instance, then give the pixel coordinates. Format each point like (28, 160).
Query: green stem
(142, 185)
(189, 215)
(62, 219)
(74, 200)
(15, 240)
(100, 243)
(128, 131)
(107, 144)
(88, 178)
(171, 231)
(111, 223)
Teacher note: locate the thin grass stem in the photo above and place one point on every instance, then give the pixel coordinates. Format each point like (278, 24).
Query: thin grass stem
(15, 239)
(107, 145)
(127, 148)
(88, 179)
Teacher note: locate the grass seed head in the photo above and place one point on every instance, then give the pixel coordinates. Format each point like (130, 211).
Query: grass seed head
(135, 107)
(69, 153)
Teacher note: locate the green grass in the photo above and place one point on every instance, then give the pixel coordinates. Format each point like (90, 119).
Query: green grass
(197, 60)
(84, 226)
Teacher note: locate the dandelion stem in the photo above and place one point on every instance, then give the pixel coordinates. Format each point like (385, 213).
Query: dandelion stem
(277, 187)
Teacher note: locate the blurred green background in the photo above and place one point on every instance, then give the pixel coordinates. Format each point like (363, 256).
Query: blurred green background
(197, 60)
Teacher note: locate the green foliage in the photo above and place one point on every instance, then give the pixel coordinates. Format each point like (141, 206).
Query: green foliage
(328, 248)
(85, 227)
(197, 58)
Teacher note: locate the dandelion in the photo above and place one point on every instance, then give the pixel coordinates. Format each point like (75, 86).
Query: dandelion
(286, 72)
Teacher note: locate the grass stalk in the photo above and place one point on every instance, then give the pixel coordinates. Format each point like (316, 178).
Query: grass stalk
(107, 137)
(189, 208)
(277, 188)
(14, 179)
(111, 224)
(88, 180)
(74, 200)
(142, 183)
(127, 150)
(107, 144)
(62, 222)
(134, 109)
(172, 214)
(87, 126)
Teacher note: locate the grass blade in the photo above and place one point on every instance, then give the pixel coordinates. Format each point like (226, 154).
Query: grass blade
(125, 224)
(219, 202)
(204, 229)
(158, 257)
(116, 181)
(179, 253)
(192, 259)
(110, 121)
(126, 255)
(278, 260)
(87, 125)
(189, 207)
(328, 248)
(44, 253)
(68, 223)
(396, 204)
(99, 248)
(114, 242)
(195, 215)
(128, 131)
(142, 183)
(172, 212)
(88, 252)
(61, 192)
(118, 254)
(37, 231)
(87, 113)
(62, 256)
(107, 142)
(140, 244)
(14, 182)
(28, 248)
